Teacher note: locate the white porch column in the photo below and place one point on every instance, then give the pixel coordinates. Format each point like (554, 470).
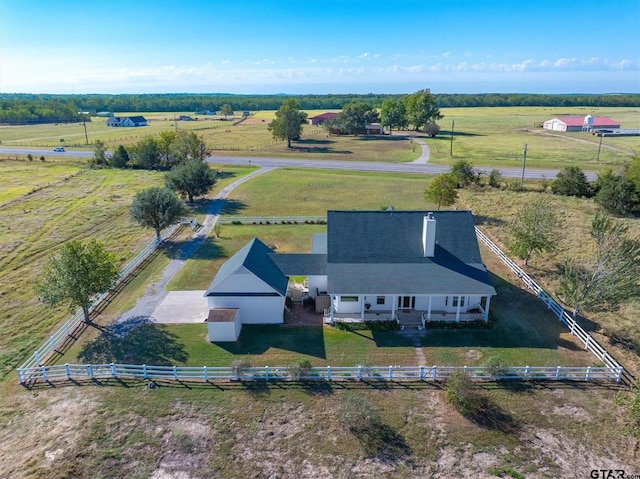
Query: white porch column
(486, 309)
(331, 308)
(361, 299)
(458, 310)
(393, 306)
(429, 310)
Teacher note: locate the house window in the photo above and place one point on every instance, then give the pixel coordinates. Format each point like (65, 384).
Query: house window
(462, 301)
(455, 302)
(380, 300)
(446, 300)
(348, 299)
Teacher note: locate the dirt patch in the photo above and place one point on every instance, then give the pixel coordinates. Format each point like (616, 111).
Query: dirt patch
(472, 355)
(49, 426)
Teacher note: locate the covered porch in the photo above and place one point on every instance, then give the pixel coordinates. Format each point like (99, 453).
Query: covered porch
(408, 310)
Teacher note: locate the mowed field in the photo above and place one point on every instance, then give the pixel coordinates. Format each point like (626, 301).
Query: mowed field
(487, 137)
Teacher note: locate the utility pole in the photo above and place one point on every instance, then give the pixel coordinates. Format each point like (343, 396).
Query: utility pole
(451, 147)
(86, 137)
(599, 146)
(524, 162)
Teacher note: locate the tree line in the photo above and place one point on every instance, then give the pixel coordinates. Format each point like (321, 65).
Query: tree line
(32, 108)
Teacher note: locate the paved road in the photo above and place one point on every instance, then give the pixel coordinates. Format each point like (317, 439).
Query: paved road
(426, 168)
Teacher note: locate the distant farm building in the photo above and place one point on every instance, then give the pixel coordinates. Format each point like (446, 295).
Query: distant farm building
(320, 119)
(579, 123)
(374, 129)
(105, 114)
(185, 118)
(127, 121)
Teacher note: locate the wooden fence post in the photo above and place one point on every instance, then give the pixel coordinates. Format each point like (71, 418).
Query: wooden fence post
(359, 373)
(390, 373)
(89, 371)
(205, 374)
(586, 378)
(329, 373)
(266, 373)
(175, 373)
(44, 372)
(144, 371)
(67, 372)
(113, 370)
(421, 374)
(434, 372)
(558, 372)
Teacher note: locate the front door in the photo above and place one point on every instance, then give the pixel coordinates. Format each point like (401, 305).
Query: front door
(406, 302)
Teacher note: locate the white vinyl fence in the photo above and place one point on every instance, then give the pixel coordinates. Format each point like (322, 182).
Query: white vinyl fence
(79, 372)
(590, 343)
(40, 354)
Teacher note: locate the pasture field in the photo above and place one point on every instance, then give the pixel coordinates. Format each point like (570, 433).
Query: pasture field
(126, 430)
(487, 137)
(18, 178)
(494, 138)
(618, 330)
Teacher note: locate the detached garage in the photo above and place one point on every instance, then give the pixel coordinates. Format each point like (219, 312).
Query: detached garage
(252, 282)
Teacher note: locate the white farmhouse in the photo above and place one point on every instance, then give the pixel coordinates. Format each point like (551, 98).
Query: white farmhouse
(409, 266)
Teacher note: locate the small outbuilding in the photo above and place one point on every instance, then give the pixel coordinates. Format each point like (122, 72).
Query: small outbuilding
(224, 325)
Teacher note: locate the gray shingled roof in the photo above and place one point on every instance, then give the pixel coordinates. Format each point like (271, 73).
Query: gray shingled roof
(381, 252)
(301, 264)
(255, 256)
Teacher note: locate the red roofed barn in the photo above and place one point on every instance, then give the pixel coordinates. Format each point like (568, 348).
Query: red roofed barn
(579, 123)
(320, 119)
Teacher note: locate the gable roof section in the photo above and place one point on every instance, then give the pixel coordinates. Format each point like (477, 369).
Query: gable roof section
(597, 121)
(255, 256)
(137, 119)
(382, 252)
(301, 264)
(325, 116)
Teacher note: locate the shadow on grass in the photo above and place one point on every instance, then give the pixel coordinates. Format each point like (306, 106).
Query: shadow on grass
(135, 341)
(487, 220)
(382, 442)
(312, 141)
(257, 339)
(491, 416)
(318, 149)
(203, 248)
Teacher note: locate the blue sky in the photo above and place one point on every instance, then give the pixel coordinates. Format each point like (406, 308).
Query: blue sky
(328, 46)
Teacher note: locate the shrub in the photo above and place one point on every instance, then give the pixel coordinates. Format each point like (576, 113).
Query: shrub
(300, 370)
(465, 173)
(368, 325)
(571, 182)
(357, 413)
(496, 367)
(30, 157)
(495, 177)
(463, 394)
(239, 367)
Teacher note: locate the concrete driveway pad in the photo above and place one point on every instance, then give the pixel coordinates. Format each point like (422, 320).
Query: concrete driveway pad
(182, 307)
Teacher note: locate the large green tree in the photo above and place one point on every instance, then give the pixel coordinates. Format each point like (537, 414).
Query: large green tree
(442, 190)
(571, 181)
(393, 114)
(99, 153)
(145, 154)
(120, 157)
(421, 108)
(534, 229)
(76, 273)
(355, 116)
(157, 208)
(287, 125)
(611, 277)
(191, 178)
